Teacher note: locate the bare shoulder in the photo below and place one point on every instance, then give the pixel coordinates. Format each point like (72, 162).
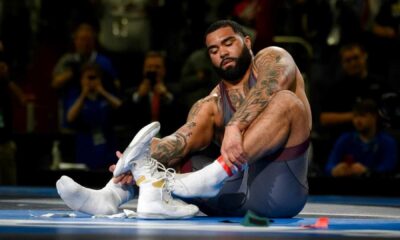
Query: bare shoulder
(215, 91)
(272, 55)
(273, 49)
(275, 68)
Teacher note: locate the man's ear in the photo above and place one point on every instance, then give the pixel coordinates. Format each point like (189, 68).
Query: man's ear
(247, 41)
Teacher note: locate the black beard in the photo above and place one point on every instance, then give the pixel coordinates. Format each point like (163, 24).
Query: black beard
(233, 74)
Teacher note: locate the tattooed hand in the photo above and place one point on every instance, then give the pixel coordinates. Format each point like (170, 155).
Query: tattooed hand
(232, 147)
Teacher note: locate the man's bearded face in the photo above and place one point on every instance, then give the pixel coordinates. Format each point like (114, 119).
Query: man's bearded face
(237, 71)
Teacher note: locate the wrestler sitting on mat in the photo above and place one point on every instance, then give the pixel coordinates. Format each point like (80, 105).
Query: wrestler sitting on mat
(260, 115)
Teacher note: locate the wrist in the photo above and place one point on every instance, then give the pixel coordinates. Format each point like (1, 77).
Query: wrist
(236, 125)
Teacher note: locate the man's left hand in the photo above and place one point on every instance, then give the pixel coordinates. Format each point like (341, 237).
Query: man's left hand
(125, 178)
(232, 147)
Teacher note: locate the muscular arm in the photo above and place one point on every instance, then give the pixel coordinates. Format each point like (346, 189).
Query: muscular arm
(194, 135)
(275, 70)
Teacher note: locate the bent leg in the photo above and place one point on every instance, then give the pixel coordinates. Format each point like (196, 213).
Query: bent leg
(282, 124)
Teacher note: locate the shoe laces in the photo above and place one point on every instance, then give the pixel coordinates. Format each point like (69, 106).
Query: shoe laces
(159, 171)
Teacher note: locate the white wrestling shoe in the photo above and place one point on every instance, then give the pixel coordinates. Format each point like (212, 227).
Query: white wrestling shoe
(155, 200)
(139, 146)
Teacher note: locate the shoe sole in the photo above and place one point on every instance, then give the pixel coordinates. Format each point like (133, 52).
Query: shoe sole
(144, 135)
(142, 215)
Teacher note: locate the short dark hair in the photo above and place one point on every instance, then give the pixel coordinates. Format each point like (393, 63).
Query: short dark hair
(236, 27)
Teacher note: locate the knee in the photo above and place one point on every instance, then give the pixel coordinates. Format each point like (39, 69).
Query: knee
(287, 102)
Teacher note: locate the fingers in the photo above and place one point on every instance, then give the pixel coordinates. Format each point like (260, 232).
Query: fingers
(233, 162)
(235, 157)
(124, 179)
(118, 154)
(111, 168)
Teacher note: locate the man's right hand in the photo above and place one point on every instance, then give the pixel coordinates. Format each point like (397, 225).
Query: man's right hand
(125, 178)
(232, 147)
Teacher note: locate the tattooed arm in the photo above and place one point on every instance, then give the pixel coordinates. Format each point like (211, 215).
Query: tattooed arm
(195, 134)
(275, 70)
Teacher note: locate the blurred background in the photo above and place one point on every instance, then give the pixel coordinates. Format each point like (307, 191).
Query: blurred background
(347, 51)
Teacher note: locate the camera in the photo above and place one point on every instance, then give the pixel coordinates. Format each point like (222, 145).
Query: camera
(151, 75)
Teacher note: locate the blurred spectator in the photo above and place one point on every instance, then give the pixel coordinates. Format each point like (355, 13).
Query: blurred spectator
(386, 45)
(352, 20)
(89, 113)
(8, 88)
(67, 71)
(354, 82)
(388, 19)
(197, 78)
(152, 99)
(335, 94)
(367, 150)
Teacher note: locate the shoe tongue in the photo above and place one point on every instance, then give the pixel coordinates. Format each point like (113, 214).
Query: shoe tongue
(158, 174)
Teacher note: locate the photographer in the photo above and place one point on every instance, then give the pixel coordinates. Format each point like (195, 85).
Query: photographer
(152, 85)
(90, 112)
(151, 100)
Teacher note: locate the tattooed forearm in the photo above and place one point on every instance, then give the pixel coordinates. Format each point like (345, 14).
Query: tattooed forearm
(272, 70)
(237, 98)
(250, 109)
(172, 148)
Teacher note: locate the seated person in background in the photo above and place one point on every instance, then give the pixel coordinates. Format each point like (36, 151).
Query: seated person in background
(151, 100)
(352, 83)
(89, 113)
(355, 82)
(367, 150)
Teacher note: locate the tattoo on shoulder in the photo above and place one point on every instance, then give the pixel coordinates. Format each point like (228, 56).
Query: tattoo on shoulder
(271, 68)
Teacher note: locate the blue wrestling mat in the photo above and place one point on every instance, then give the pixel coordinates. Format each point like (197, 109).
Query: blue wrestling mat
(38, 213)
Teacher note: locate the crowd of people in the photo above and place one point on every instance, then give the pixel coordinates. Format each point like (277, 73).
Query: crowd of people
(114, 66)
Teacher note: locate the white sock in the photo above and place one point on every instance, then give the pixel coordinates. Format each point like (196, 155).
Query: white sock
(96, 202)
(206, 182)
